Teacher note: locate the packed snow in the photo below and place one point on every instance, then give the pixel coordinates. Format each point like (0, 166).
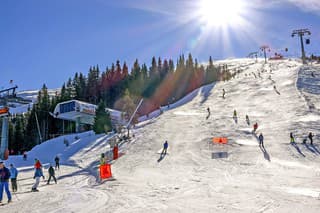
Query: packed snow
(281, 96)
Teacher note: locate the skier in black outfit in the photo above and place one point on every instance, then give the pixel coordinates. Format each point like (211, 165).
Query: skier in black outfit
(310, 136)
(208, 109)
(247, 120)
(57, 160)
(51, 174)
(261, 140)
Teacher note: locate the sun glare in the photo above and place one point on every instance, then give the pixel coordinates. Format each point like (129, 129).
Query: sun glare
(220, 12)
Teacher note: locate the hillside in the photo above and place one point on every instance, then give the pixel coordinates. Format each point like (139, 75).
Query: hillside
(280, 178)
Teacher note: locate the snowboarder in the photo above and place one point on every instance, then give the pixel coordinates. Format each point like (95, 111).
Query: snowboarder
(13, 177)
(255, 127)
(4, 181)
(261, 140)
(208, 109)
(57, 160)
(223, 93)
(291, 138)
(247, 120)
(310, 136)
(51, 174)
(165, 147)
(102, 159)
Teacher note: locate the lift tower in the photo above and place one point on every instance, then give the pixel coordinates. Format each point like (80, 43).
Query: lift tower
(301, 33)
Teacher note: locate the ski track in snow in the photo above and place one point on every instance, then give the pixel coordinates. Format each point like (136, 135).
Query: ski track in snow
(283, 178)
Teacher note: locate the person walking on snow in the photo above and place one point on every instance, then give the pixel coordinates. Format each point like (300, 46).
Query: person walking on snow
(291, 138)
(310, 136)
(4, 181)
(165, 147)
(13, 177)
(25, 155)
(223, 93)
(255, 127)
(51, 174)
(261, 140)
(57, 160)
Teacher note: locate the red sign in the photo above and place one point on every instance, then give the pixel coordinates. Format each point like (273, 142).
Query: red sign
(220, 140)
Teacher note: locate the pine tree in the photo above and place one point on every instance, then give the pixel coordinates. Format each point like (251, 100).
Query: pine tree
(102, 121)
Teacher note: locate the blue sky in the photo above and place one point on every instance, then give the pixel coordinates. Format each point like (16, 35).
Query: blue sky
(47, 41)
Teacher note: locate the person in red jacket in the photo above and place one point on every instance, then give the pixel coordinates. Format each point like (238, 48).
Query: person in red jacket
(38, 165)
(255, 127)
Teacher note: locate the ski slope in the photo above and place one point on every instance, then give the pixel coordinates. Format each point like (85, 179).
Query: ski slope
(283, 178)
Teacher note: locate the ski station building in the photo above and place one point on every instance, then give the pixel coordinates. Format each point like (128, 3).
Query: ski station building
(83, 113)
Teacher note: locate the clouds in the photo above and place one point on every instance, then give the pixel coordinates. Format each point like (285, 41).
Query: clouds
(304, 5)
(307, 5)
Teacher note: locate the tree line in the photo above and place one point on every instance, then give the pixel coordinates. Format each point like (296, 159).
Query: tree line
(162, 83)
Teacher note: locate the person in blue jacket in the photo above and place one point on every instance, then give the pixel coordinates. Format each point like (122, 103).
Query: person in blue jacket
(14, 174)
(165, 147)
(4, 181)
(37, 174)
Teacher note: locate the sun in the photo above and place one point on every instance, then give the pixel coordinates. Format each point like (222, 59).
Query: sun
(220, 12)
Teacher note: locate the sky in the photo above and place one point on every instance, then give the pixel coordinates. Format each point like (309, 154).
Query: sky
(48, 41)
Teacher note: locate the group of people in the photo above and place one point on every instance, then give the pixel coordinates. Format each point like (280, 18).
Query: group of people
(310, 137)
(38, 173)
(7, 174)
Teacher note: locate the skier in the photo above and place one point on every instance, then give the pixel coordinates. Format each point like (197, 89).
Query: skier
(4, 181)
(14, 174)
(24, 155)
(208, 109)
(102, 159)
(234, 114)
(310, 136)
(37, 174)
(235, 118)
(223, 93)
(51, 174)
(247, 120)
(291, 138)
(165, 147)
(255, 127)
(261, 140)
(57, 160)
(38, 165)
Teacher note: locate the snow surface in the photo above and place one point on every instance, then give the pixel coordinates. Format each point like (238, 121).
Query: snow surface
(284, 178)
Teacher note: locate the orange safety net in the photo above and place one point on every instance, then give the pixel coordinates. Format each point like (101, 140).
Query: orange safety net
(115, 153)
(105, 171)
(220, 140)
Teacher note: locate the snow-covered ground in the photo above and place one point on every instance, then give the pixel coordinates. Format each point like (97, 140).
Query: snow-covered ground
(30, 95)
(283, 178)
